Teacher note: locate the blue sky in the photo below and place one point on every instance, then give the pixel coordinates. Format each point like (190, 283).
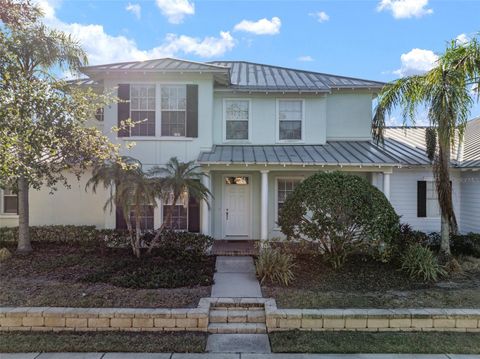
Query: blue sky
(376, 39)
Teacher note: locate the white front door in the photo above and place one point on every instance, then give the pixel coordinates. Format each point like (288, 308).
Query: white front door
(236, 206)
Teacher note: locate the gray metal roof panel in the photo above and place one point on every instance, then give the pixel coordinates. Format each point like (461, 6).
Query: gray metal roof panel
(276, 78)
(338, 152)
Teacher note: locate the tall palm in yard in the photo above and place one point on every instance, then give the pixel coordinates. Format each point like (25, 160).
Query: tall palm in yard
(444, 91)
(130, 190)
(177, 179)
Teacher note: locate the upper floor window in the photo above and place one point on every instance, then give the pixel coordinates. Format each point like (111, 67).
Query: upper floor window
(9, 202)
(237, 115)
(142, 110)
(174, 110)
(290, 118)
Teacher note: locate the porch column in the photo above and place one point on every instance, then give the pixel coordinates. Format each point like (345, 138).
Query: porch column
(386, 185)
(264, 206)
(205, 209)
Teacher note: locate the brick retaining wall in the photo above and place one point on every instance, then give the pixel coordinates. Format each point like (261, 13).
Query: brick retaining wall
(197, 319)
(421, 319)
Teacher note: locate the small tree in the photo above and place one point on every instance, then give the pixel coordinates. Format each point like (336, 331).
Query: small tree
(176, 179)
(130, 190)
(44, 128)
(341, 213)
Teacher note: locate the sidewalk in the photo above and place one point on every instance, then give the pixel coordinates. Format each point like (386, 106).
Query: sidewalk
(228, 356)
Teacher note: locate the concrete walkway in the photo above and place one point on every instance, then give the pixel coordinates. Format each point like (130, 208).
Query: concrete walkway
(228, 356)
(235, 277)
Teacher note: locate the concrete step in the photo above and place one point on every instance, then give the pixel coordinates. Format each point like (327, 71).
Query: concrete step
(237, 316)
(237, 328)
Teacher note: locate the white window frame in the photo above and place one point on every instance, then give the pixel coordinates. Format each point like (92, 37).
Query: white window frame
(249, 120)
(277, 127)
(159, 106)
(168, 202)
(2, 209)
(301, 178)
(437, 216)
(156, 87)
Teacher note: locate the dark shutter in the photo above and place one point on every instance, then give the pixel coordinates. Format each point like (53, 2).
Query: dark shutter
(193, 215)
(119, 220)
(421, 199)
(123, 108)
(192, 110)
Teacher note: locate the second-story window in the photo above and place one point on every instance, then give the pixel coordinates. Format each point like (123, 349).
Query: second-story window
(142, 110)
(290, 117)
(174, 110)
(237, 113)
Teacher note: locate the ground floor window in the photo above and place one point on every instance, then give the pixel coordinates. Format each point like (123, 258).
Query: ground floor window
(146, 218)
(285, 186)
(179, 218)
(427, 200)
(9, 202)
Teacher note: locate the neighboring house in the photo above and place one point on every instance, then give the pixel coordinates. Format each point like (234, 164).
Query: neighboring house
(257, 131)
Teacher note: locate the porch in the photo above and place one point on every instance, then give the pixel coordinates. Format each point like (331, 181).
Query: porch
(247, 196)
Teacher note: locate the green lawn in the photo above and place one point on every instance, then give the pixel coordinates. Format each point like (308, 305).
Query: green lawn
(386, 342)
(102, 342)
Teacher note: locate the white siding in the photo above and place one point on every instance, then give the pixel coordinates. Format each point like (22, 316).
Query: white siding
(470, 202)
(403, 197)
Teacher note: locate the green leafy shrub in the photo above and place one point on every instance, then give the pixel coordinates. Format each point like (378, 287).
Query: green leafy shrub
(55, 233)
(274, 265)
(460, 244)
(419, 262)
(180, 244)
(343, 213)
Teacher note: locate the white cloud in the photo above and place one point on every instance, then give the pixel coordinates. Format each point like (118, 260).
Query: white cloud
(462, 39)
(320, 16)
(102, 47)
(135, 9)
(260, 27)
(176, 10)
(306, 58)
(416, 61)
(405, 9)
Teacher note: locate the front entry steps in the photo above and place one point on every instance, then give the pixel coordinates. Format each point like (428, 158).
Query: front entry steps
(237, 318)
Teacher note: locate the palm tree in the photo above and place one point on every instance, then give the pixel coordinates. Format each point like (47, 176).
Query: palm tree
(444, 92)
(130, 190)
(177, 179)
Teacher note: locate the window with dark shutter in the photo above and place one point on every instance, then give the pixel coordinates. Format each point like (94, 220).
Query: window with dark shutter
(193, 215)
(123, 108)
(192, 110)
(421, 198)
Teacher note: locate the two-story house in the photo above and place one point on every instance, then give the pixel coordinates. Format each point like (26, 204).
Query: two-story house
(257, 131)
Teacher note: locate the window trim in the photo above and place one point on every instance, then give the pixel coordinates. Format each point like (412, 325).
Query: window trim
(277, 126)
(224, 111)
(2, 204)
(158, 105)
(301, 178)
(157, 115)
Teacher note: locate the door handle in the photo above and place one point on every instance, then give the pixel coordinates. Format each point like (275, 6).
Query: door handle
(226, 214)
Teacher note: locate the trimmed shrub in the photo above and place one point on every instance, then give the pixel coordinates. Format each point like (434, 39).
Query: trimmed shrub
(180, 244)
(55, 233)
(274, 265)
(460, 244)
(419, 262)
(343, 213)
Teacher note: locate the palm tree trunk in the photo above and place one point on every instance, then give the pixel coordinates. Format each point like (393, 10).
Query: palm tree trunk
(24, 245)
(444, 190)
(168, 219)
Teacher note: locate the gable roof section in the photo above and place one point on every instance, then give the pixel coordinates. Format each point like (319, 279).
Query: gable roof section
(249, 76)
(471, 153)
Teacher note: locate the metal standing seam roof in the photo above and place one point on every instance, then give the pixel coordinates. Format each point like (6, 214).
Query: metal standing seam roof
(164, 64)
(347, 153)
(250, 76)
(471, 153)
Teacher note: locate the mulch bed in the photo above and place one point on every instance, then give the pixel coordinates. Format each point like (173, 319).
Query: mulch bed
(61, 275)
(365, 283)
